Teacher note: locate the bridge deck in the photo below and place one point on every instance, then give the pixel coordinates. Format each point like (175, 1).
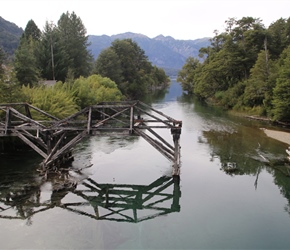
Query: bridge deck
(54, 138)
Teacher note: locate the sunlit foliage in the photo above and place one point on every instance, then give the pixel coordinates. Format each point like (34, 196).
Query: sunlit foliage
(94, 89)
(54, 100)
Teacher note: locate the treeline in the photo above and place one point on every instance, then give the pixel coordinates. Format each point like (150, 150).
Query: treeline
(59, 53)
(246, 68)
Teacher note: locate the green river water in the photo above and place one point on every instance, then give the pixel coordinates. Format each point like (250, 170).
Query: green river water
(213, 206)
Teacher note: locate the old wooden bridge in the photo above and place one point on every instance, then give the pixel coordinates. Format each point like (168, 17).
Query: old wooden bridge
(54, 138)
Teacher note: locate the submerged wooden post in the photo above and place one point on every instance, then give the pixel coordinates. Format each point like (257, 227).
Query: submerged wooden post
(176, 132)
(131, 120)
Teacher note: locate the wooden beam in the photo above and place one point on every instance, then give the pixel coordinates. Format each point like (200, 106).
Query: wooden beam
(54, 149)
(68, 146)
(157, 145)
(159, 112)
(83, 111)
(155, 117)
(27, 110)
(110, 117)
(29, 143)
(89, 121)
(7, 121)
(42, 112)
(25, 118)
(35, 138)
(160, 138)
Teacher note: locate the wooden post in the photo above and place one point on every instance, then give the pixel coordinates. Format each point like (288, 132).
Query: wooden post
(27, 111)
(8, 120)
(131, 120)
(176, 131)
(89, 121)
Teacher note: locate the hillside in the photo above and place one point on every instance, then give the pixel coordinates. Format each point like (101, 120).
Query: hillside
(164, 52)
(10, 34)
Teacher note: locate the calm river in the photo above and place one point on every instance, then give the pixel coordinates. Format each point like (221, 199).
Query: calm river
(234, 192)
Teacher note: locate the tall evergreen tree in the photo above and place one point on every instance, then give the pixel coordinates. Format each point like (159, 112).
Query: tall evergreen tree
(74, 42)
(260, 85)
(26, 64)
(281, 92)
(26, 61)
(31, 30)
(52, 57)
(278, 35)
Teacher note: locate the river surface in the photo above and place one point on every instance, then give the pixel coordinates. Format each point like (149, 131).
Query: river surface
(233, 191)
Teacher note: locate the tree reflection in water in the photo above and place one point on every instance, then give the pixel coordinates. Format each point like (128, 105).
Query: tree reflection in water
(240, 153)
(115, 202)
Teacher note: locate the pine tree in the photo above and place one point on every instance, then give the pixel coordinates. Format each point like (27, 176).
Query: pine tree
(26, 65)
(281, 92)
(74, 41)
(26, 61)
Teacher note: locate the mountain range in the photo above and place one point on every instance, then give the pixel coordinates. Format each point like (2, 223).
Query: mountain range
(163, 51)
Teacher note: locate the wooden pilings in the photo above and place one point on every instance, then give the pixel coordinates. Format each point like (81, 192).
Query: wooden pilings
(54, 139)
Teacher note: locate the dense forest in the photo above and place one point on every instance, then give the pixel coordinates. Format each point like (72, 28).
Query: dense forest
(246, 69)
(60, 53)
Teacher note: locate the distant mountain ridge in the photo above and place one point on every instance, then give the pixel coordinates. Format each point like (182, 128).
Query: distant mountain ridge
(163, 51)
(10, 34)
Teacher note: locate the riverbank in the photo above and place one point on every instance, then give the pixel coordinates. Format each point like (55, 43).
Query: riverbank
(278, 135)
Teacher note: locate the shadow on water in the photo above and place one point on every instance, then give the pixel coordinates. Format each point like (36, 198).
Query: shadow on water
(114, 202)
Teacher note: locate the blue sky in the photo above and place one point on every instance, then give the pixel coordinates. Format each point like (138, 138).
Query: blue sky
(181, 19)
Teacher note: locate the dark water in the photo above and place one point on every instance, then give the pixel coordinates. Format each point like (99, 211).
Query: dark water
(233, 191)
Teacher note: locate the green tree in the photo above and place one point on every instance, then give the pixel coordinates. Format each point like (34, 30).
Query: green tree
(31, 30)
(281, 92)
(74, 42)
(159, 77)
(26, 64)
(9, 88)
(94, 89)
(108, 64)
(126, 64)
(132, 58)
(53, 59)
(258, 86)
(229, 59)
(278, 35)
(186, 74)
(26, 61)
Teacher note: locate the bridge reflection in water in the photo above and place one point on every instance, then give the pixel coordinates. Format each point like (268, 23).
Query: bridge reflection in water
(114, 202)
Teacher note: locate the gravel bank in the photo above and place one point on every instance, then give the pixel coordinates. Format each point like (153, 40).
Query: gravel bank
(278, 135)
